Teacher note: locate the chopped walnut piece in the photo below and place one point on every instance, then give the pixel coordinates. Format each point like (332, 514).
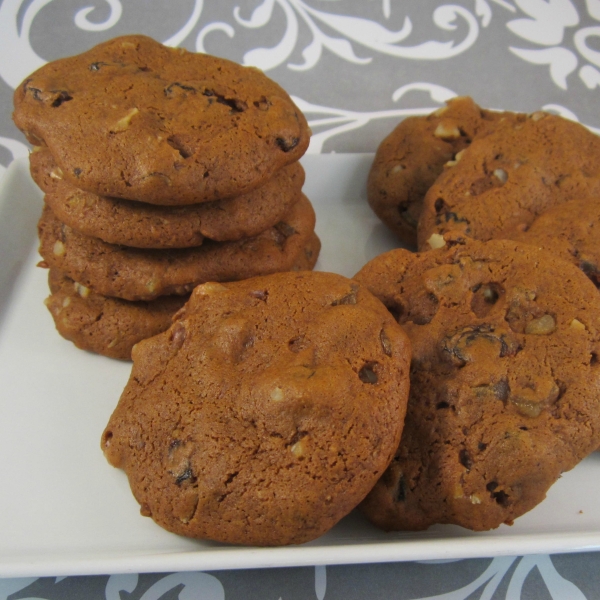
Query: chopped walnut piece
(436, 241)
(59, 248)
(542, 326)
(447, 130)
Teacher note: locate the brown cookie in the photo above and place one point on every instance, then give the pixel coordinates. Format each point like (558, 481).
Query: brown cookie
(410, 159)
(571, 231)
(143, 225)
(266, 412)
(133, 119)
(135, 274)
(505, 381)
(107, 326)
(506, 179)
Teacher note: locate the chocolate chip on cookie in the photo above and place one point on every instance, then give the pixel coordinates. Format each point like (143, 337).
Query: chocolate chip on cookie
(508, 178)
(410, 158)
(266, 412)
(105, 325)
(505, 381)
(142, 225)
(134, 119)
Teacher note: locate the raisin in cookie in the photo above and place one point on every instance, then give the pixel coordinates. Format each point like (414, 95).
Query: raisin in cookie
(266, 412)
(137, 274)
(134, 119)
(505, 381)
(506, 179)
(142, 225)
(410, 158)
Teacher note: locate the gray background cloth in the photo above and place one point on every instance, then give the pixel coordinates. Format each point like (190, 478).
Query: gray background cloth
(356, 68)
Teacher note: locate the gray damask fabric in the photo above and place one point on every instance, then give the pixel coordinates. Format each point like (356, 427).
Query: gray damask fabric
(355, 67)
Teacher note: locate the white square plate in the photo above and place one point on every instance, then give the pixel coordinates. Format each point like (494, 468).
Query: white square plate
(65, 511)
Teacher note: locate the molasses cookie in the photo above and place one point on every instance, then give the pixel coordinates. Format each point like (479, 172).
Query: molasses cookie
(410, 158)
(505, 381)
(266, 412)
(134, 119)
(142, 225)
(505, 180)
(107, 326)
(136, 274)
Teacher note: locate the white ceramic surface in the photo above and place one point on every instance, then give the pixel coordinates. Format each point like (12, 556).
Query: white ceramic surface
(65, 511)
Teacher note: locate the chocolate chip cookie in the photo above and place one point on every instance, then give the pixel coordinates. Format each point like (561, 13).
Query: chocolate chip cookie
(505, 381)
(107, 326)
(569, 230)
(410, 159)
(134, 119)
(266, 412)
(142, 225)
(136, 274)
(506, 179)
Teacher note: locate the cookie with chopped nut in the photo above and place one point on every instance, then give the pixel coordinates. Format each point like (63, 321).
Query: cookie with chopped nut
(134, 119)
(143, 225)
(410, 159)
(508, 178)
(569, 230)
(104, 325)
(145, 274)
(505, 381)
(266, 412)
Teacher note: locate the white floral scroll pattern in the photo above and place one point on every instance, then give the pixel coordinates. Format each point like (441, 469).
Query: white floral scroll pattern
(365, 33)
(202, 586)
(488, 582)
(196, 586)
(549, 24)
(338, 120)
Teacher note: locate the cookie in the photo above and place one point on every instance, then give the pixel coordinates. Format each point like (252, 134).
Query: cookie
(134, 119)
(135, 274)
(143, 225)
(505, 381)
(412, 156)
(107, 326)
(266, 412)
(505, 180)
(570, 231)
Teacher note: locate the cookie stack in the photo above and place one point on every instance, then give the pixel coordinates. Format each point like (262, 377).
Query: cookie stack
(162, 169)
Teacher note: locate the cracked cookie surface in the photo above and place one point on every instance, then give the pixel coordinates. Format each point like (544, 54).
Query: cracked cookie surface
(505, 381)
(266, 412)
(145, 274)
(411, 157)
(142, 225)
(134, 119)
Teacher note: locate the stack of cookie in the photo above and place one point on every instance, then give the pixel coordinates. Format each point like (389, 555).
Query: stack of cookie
(162, 170)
